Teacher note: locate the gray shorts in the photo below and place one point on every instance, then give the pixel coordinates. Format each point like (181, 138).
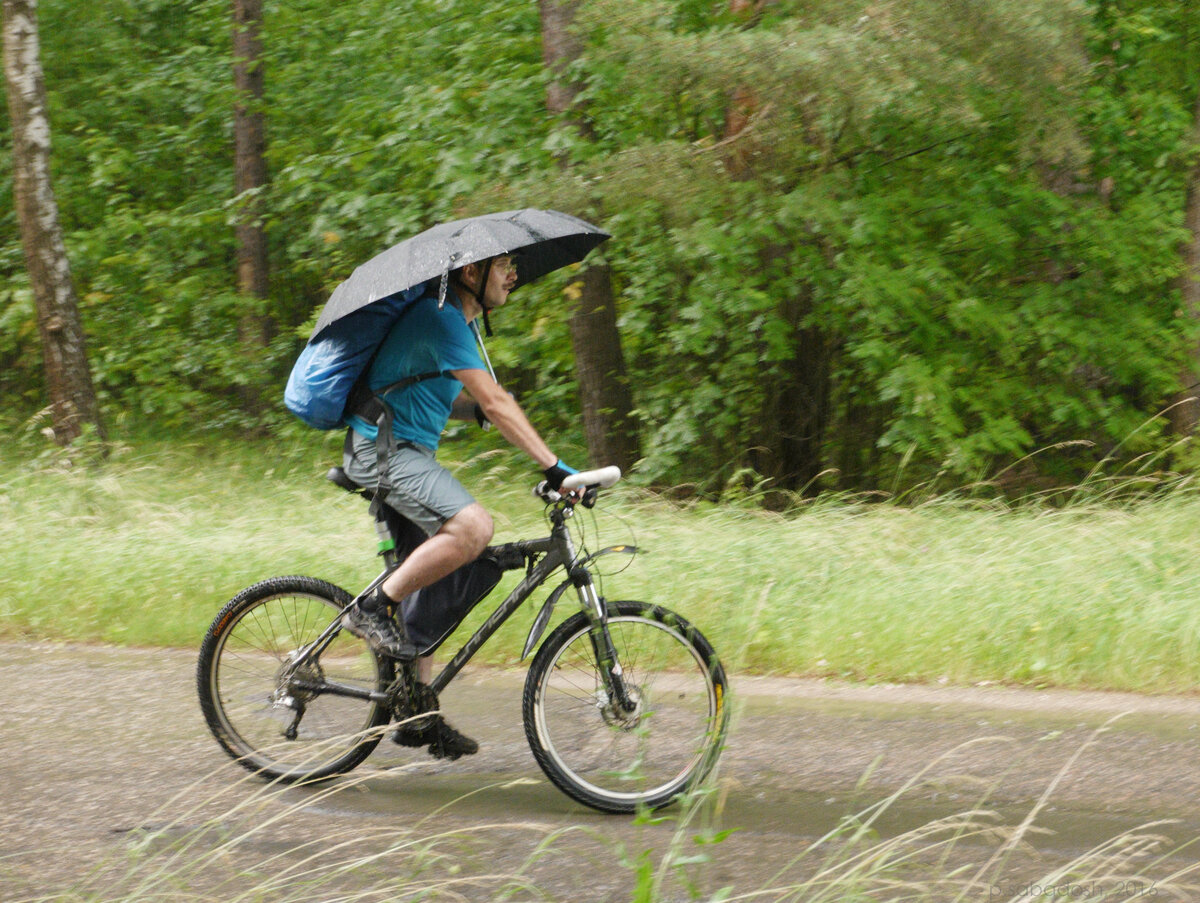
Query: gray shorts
(422, 490)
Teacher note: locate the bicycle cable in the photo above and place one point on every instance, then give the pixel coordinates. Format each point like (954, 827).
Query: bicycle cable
(628, 525)
(597, 569)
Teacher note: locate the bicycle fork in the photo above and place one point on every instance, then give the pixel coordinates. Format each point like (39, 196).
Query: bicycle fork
(607, 661)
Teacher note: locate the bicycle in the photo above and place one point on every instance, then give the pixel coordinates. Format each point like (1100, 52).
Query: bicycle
(624, 703)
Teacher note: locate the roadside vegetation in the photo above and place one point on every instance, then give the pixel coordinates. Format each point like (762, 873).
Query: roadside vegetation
(1096, 588)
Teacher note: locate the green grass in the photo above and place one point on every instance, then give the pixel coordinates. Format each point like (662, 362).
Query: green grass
(144, 549)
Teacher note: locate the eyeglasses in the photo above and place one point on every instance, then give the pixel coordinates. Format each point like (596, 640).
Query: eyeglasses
(504, 265)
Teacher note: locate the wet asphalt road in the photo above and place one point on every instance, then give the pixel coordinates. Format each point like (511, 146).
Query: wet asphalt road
(101, 747)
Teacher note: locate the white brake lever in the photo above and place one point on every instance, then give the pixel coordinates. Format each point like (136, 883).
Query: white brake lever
(543, 491)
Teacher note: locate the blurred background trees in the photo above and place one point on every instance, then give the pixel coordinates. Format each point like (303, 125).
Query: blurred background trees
(857, 245)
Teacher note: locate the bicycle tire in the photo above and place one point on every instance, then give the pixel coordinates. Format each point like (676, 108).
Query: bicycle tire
(613, 762)
(237, 678)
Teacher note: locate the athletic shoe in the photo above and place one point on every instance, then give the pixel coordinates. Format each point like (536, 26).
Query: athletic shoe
(444, 742)
(380, 631)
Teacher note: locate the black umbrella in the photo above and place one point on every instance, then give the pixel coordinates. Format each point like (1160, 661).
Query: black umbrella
(545, 240)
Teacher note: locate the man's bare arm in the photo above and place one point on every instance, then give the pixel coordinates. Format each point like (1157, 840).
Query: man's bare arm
(506, 415)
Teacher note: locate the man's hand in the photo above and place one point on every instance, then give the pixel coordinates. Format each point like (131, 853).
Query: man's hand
(556, 473)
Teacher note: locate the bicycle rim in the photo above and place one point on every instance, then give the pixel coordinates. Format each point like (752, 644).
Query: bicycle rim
(616, 761)
(254, 706)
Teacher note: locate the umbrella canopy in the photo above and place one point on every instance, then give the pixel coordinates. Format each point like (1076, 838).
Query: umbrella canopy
(545, 239)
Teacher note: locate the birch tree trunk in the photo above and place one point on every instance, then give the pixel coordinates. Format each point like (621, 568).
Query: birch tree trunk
(68, 378)
(604, 392)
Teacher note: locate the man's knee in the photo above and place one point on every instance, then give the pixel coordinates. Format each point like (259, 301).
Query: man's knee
(472, 527)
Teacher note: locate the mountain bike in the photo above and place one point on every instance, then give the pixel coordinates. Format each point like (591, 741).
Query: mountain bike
(624, 703)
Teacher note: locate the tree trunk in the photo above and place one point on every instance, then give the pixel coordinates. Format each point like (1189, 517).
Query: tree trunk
(250, 175)
(599, 362)
(68, 379)
(743, 104)
(1185, 414)
(795, 412)
(603, 387)
(559, 49)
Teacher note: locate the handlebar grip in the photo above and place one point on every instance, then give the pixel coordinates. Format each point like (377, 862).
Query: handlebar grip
(589, 481)
(601, 478)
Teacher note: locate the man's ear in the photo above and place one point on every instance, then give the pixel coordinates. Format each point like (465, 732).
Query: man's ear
(470, 275)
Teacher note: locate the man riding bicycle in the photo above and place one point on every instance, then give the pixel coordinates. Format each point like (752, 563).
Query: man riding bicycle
(429, 338)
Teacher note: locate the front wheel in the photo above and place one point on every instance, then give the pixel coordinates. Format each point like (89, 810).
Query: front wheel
(288, 721)
(607, 756)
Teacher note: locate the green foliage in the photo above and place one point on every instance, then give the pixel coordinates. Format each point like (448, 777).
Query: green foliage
(915, 200)
(860, 245)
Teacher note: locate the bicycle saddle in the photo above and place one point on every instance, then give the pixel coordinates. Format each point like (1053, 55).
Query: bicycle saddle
(338, 477)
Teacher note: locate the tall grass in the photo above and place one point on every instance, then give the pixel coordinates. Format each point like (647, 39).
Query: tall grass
(1097, 593)
(252, 841)
(970, 855)
(248, 846)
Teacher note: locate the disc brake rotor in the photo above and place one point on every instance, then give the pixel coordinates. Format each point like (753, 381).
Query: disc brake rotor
(615, 715)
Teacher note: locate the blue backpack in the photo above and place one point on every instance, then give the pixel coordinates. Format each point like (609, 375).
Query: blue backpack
(328, 369)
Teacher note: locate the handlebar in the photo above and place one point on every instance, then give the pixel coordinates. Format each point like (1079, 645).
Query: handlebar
(581, 486)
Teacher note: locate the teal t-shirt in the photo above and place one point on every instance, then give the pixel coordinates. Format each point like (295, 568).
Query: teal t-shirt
(423, 340)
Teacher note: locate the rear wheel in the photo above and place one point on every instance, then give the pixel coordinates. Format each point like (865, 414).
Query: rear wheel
(614, 759)
(275, 718)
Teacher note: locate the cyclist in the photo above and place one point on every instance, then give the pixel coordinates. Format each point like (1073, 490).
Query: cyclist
(458, 527)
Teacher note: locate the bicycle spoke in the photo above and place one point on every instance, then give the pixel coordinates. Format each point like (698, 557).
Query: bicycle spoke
(257, 711)
(604, 754)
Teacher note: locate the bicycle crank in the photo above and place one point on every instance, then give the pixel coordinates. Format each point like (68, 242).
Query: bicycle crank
(411, 698)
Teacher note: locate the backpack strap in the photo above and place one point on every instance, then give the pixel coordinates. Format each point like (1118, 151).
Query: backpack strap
(371, 407)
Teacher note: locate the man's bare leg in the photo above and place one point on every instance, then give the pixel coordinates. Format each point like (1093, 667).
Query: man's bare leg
(461, 539)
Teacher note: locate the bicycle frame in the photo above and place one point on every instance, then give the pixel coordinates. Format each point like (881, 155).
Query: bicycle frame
(554, 557)
(557, 550)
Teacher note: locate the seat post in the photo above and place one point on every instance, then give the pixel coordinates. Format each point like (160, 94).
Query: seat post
(387, 539)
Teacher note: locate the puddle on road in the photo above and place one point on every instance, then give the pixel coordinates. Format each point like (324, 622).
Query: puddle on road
(771, 802)
(797, 814)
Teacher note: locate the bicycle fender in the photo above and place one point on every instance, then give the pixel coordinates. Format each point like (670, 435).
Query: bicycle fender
(543, 618)
(623, 549)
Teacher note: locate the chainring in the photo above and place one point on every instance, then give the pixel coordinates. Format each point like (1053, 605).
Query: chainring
(410, 698)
